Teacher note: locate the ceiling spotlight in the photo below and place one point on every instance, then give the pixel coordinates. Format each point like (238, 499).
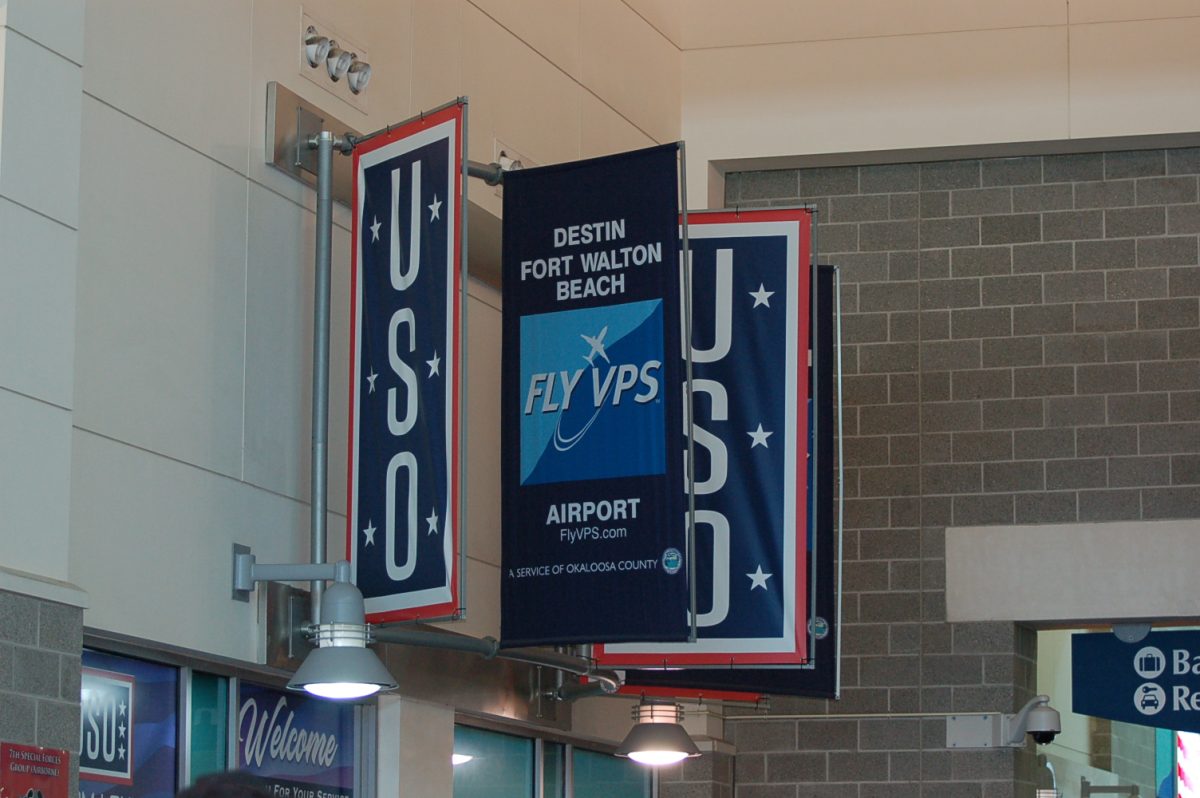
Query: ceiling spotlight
(460, 759)
(316, 47)
(657, 738)
(359, 75)
(337, 62)
(342, 667)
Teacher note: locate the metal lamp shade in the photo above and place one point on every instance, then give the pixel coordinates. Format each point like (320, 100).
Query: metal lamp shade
(342, 672)
(657, 744)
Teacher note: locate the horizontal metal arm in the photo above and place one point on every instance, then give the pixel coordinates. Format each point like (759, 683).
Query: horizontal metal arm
(247, 571)
(489, 648)
(490, 173)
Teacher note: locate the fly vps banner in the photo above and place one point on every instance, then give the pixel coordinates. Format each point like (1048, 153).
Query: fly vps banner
(403, 523)
(750, 288)
(594, 530)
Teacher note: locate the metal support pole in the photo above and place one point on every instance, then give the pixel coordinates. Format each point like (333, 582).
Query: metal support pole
(324, 144)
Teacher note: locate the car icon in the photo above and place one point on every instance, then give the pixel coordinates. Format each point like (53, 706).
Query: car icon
(1149, 698)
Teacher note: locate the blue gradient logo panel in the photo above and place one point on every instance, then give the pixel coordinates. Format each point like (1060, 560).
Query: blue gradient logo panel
(592, 399)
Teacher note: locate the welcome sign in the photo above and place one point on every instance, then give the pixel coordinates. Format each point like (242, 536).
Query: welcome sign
(592, 403)
(299, 747)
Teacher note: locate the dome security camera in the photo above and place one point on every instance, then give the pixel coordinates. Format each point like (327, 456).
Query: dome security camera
(1037, 719)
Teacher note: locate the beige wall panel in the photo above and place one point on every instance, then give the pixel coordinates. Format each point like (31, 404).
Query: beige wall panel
(184, 74)
(1083, 11)
(35, 485)
(437, 54)
(39, 149)
(665, 16)
(161, 287)
(872, 94)
(551, 27)
(632, 67)
(483, 424)
(605, 131)
(1072, 573)
(152, 541)
(279, 324)
(37, 305)
(517, 96)
(1135, 77)
(56, 24)
(719, 23)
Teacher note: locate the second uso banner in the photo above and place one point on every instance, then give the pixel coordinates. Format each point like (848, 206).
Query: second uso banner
(751, 275)
(594, 530)
(403, 521)
(819, 677)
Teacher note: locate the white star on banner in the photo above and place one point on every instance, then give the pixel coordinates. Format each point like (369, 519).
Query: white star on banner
(121, 729)
(433, 364)
(762, 296)
(369, 531)
(434, 208)
(758, 578)
(122, 706)
(432, 520)
(121, 752)
(759, 437)
(375, 229)
(371, 381)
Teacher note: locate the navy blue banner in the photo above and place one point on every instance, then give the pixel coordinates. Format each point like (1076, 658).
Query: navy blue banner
(300, 747)
(402, 524)
(594, 532)
(128, 728)
(750, 281)
(819, 678)
(1153, 682)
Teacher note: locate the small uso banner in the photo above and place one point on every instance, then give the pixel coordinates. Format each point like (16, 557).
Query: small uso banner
(128, 722)
(594, 528)
(1153, 682)
(750, 286)
(403, 522)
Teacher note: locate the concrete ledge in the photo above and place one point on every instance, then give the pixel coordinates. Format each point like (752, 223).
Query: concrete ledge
(41, 587)
(1074, 573)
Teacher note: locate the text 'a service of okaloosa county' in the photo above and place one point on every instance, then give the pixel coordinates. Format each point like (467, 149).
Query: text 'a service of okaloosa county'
(589, 273)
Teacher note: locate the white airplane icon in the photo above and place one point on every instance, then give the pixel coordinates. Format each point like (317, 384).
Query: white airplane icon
(597, 345)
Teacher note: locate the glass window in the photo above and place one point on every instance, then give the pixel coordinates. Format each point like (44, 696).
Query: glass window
(607, 776)
(500, 765)
(210, 723)
(554, 770)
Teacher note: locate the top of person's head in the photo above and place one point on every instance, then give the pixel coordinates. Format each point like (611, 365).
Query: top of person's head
(226, 785)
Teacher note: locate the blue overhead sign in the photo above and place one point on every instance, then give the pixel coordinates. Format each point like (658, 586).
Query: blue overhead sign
(1154, 682)
(594, 531)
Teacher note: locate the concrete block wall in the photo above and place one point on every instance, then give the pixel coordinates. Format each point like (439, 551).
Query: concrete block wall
(1021, 346)
(40, 644)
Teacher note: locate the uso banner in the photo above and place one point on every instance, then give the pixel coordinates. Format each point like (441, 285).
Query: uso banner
(594, 532)
(403, 524)
(819, 677)
(750, 286)
(127, 728)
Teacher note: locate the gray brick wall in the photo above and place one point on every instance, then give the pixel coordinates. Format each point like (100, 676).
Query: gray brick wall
(40, 648)
(1021, 346)
(709, 776)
